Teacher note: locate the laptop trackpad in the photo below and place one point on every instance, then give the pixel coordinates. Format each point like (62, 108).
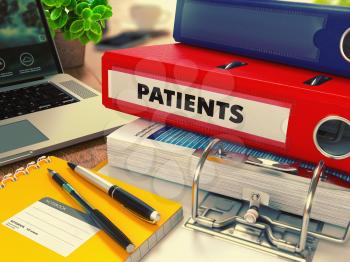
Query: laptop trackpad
(19, 134)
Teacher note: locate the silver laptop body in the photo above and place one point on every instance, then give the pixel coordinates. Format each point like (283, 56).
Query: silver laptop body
(51, 127)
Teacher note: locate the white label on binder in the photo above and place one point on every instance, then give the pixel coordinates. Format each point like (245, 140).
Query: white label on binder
(264, 119)
(53, 225)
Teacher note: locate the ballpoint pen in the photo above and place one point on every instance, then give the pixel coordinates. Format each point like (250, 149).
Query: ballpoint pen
(101, 220)
(134, 204)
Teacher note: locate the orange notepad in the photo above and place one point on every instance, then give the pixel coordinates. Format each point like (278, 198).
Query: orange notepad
(38, 221)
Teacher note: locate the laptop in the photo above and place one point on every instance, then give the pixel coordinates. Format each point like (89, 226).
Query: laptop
(41, 108)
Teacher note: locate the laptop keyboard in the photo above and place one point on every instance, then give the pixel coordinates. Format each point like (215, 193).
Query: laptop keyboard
(32, 99)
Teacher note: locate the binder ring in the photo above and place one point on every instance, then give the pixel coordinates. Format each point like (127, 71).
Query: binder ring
(317, 142)
(23, 171)
(20, 171)
(308, 205)
(44, 159)
(6, 178)
(208, 225)
(198, 170)
(32, 164)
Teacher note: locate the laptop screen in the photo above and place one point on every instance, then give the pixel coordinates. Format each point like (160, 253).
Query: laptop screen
(26, 49)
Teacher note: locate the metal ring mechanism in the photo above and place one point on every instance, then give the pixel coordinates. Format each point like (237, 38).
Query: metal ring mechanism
(24, 171)
(253, 219)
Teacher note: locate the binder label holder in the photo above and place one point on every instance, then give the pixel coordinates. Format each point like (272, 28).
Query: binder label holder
(252, 223)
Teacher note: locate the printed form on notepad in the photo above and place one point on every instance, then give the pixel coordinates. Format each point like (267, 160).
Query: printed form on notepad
(53, 225)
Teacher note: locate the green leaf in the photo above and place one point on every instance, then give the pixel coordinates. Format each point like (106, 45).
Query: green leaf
(84, 39)
(77, 35)
(107, 14)
(49, 2)
(47, 14)
(103, 24)
(56, 13)
(96, 17)
(101, 9)
(61, 22)
(80, 7)
(98, 2)
(52, 24)
(93, 37)
(77, 26)
(66, 3)
(67, 35)
(72, 5)
(51, 27)
(344, 2)
(79, 19)
(56, 24)
(322, 2)
(70, 36)
(59, 3)
(104, 11)
(87, 25)
(68, 24)
(96, 28)
(87, 12)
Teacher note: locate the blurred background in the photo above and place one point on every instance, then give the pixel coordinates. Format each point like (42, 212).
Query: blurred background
(158, 15)
(135, 16)
(136, 23)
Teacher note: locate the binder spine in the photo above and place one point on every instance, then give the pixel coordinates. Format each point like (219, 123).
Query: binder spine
(130, 77)
(321, 45)
(13, 177)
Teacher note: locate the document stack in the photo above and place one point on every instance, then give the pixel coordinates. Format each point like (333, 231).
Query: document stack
(170, 153)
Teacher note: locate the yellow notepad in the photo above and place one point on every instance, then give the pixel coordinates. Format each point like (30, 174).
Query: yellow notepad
(37, 222)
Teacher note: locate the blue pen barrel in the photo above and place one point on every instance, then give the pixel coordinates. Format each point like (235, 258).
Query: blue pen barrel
(101, 220)
(109, 228)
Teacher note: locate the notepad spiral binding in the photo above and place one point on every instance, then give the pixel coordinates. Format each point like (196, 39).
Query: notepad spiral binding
(13, 177)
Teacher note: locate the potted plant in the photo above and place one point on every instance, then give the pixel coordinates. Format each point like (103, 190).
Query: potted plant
(73, 24)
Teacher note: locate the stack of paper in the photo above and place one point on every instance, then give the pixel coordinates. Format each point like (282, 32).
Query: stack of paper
(168, 153)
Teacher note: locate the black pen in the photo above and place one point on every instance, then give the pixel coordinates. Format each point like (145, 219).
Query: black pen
(101, 220)
(134, 204)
